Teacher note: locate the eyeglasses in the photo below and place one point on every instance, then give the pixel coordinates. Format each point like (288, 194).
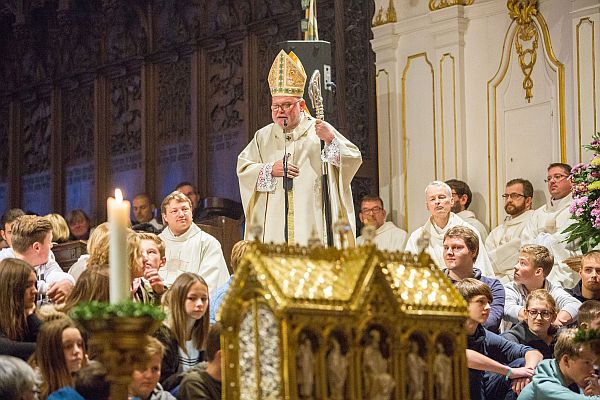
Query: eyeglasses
(555, 178)
(283, 106)
(534, 313)
(512, 196)
(371, 211)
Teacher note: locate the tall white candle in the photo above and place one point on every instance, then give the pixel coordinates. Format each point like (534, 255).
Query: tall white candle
(120, 277)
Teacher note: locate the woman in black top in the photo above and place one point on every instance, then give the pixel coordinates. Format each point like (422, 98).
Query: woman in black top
(18, 323)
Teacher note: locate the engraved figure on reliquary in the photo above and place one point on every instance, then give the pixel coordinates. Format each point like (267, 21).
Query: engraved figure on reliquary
(378, 382)
(416, 369)
(337, 369)
(442, 372)
(305, 362)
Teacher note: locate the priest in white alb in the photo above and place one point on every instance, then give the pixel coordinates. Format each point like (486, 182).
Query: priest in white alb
(547, 223)
(297, 135)
(387, 235)
(438, 200)
(504, 241)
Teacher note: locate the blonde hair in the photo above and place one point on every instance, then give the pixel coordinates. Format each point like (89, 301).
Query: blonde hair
(237, 252)
(540, 256)
(27, 230)
(174, 304)
(92, 285)
(154, 347)
(542, 295)
(588, 312)
(60, 228)
(566, 345)
(98, 249)
(154, 238)
(178, 197)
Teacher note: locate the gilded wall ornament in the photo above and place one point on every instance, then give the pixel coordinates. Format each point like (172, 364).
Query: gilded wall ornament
(386, 17)
(439, 4)
(527, 39)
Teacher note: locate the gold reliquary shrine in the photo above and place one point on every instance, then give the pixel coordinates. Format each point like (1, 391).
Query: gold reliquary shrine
(327, 324)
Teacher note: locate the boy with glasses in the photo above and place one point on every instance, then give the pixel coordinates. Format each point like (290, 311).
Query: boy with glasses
(387, 235)
(504, 241)
(547, 223)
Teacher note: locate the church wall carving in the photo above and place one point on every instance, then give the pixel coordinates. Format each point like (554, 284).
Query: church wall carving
(154, 92)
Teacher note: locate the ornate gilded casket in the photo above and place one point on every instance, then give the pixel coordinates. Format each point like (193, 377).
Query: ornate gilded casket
(323, 323)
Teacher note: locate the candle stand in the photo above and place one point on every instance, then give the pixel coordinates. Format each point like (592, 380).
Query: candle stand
(117, 340)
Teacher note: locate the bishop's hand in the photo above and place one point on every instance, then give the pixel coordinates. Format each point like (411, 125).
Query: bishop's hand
(277, 170)
(324, 131)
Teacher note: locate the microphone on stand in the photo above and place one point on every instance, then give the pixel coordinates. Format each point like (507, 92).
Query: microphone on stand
(285, 179)
(288, 183)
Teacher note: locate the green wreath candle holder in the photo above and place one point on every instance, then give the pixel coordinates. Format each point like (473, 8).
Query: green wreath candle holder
(118, 335)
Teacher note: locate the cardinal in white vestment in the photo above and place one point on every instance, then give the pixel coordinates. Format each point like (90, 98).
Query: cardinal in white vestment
(297, 135)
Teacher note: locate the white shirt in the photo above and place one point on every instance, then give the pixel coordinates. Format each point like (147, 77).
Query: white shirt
(503, 244)
(388, 237)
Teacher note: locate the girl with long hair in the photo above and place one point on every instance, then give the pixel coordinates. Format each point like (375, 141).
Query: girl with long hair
(19, 325)
(537, 330)
(60, 353)
(185, 330)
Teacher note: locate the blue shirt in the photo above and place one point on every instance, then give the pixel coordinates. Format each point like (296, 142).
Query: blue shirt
(217, 299)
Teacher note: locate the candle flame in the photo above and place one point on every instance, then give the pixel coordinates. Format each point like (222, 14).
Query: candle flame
(118, 195)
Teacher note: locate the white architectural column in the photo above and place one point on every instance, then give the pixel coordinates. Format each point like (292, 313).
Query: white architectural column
(586, 72)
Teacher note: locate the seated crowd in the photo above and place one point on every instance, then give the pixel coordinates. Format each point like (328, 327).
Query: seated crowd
(523, 300)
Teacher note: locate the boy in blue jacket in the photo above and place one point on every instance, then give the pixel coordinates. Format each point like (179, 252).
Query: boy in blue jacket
(571, 374)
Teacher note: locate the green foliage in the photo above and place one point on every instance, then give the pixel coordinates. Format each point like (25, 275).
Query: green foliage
(96, 310)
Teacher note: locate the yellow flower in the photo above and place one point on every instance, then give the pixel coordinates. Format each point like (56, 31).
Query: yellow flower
(594, 185)
(595, 161)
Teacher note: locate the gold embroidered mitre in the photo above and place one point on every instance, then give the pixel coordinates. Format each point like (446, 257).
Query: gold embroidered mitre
(287, 76)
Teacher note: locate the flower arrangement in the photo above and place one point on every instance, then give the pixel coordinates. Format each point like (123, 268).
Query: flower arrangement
(585, 207)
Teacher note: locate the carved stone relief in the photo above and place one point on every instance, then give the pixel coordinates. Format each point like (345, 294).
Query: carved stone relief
(174, 101)
(228, 14)
(125, 36)
(126, 113)
(37, 130)
(226, 123)
(359, 59)
(226, 95)
(78, 124)
(269, 8)
(76, 43)
(326, 13)
(174, 22)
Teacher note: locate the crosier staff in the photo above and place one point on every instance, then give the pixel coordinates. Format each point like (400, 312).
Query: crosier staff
(314, 91)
